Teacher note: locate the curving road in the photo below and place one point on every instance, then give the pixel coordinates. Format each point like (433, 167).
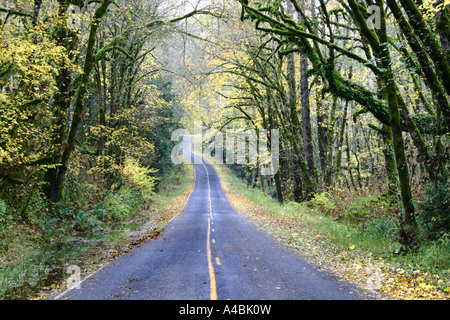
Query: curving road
(210, 252)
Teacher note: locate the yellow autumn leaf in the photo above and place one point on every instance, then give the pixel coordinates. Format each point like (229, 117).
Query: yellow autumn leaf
(425, 286)
(351, 247)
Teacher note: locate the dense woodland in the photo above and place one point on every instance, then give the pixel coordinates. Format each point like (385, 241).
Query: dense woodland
(92, 90)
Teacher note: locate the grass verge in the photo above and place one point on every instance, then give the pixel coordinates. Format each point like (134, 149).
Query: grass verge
(365, 253)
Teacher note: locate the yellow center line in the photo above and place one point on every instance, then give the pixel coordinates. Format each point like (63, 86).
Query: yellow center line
(212, 274)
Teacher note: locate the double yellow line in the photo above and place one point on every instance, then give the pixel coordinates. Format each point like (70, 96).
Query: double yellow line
(212, 274)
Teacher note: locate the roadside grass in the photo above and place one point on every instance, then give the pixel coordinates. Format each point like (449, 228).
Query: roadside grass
(35, 255)
(353, 236)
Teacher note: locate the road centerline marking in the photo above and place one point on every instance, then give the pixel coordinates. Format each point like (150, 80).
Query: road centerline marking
(212, 275)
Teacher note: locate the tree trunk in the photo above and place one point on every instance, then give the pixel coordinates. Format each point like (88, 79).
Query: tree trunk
(306, 119)
(36, 10)
(55, 185)
(322, 132)
(61, 101)
(408, 230)
(443, 26)
(295, 126)
(330, 168)
(269, 144)
(389, 160)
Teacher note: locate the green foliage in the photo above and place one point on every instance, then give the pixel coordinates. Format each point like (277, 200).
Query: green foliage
(122, 205)
(4, 214)
(325, 204)
(62, 221)
(434, 213)
(367, 211)
(161, 136)
(20, 278)
(81, 193)
(29, 61)
(436, 254)
(378, 234)
(366, 208)
(427, 124)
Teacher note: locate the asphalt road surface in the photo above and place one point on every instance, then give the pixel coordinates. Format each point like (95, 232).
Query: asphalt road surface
(210, 252)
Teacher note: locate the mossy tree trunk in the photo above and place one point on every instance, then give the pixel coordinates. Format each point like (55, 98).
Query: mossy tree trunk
(55, 181)
(408, 229)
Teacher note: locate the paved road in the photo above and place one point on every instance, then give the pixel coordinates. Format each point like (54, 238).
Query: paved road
(210, 252)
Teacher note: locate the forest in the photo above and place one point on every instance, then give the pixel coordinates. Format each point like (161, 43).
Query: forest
(91, 91)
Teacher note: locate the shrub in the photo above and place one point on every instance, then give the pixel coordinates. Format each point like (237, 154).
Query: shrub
(325, 203)
(89, 219)
(62, 220)
(365, 208)
(139, 177)
(121, 205)
(81, 193)
(353, 210)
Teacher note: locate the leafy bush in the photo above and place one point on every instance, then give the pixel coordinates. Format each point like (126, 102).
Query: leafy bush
(121, 205)
(325, 203)
(434, 213)
(354, 210)
(63, 220)
(139, 177)
(89, 219)
(365, 208)
(81, 193)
